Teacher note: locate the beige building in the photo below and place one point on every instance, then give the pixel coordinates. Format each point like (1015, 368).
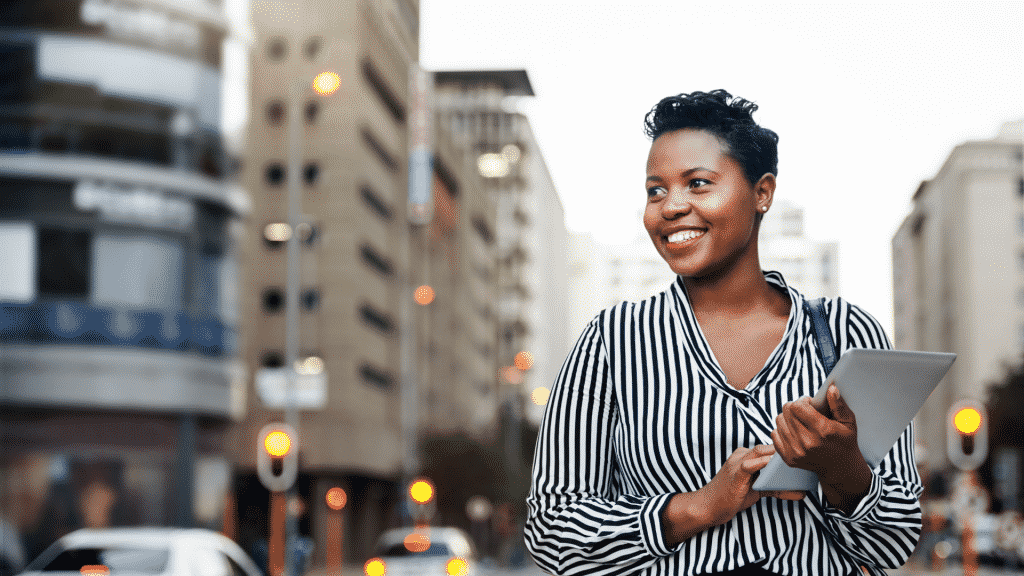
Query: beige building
(958, 275)
(532, 275)
(360, 258)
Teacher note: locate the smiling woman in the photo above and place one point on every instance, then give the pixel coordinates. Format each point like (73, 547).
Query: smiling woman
(666, 409)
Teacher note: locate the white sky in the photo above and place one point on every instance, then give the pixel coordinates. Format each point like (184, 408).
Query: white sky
(868, 100)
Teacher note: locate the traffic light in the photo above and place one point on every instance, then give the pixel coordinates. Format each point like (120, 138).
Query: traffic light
(277, 456)
(967, 435)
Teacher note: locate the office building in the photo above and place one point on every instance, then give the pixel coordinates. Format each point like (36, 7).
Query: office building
(811, 266)
(958, 275)
(118, 234)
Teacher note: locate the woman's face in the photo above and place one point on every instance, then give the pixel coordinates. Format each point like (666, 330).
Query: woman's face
(701, 210)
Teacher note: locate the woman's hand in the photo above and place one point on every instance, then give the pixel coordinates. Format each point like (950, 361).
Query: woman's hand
(825, 445)
(721, 499)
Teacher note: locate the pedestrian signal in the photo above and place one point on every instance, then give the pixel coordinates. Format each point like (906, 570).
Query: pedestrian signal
(967, 435)
(277, 459)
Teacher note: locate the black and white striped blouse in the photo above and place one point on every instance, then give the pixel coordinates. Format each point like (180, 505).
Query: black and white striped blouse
(641, 411)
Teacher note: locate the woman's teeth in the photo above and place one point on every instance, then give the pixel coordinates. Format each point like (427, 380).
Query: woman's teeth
(685, 235)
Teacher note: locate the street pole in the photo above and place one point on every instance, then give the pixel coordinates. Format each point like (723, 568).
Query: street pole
(294, 175)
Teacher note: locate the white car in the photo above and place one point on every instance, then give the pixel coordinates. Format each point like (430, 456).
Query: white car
(423, 552)
(143, 552)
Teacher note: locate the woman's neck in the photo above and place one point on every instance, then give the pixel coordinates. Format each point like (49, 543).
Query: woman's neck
(741, 291)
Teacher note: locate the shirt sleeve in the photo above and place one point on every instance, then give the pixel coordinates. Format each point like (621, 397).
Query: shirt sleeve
(885, 527)
(577, 521)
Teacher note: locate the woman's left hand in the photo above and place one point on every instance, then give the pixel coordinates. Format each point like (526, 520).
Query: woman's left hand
(825, 445)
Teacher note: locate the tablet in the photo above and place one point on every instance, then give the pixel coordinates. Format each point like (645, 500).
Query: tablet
(885, 389)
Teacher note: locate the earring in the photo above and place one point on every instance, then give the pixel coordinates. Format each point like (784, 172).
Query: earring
(764, 208)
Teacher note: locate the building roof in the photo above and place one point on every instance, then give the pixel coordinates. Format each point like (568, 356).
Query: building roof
(515, 82)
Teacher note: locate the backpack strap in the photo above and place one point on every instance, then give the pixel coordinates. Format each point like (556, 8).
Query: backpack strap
(819, 325)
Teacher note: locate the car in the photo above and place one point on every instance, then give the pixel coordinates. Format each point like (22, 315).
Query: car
(425, 551)
(143, 552)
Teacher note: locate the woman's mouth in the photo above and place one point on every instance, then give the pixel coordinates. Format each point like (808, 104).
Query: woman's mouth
(684, 237)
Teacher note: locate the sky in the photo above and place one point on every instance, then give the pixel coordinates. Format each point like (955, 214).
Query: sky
(868, 99)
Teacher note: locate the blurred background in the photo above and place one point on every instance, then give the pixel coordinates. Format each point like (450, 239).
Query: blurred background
(384, 223)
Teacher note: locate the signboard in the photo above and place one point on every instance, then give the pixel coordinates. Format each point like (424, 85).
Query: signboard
(421, 193)
(309, 391)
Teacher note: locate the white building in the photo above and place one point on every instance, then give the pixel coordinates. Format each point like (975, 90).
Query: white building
(958, 274)
(810, 266)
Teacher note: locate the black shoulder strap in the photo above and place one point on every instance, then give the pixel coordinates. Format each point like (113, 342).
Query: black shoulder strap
(819, 323)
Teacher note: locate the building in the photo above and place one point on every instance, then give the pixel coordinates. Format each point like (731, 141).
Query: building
(810, 266)
(118, 234)
(362, 338)
(958, 275)
(533, 275)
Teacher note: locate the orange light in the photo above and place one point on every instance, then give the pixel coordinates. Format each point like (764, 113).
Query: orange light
(326, 83)
(375, 567)
(511, 375)
(967, 420)
(524, 360)
(540, 395)
(94, 570)
(457, 567)
(336, 498)
(424, 295)
(277, 444)
(421, 491)
(417, 542)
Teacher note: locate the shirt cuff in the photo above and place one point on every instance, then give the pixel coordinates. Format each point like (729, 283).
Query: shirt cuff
(652, 531)
(866, 504)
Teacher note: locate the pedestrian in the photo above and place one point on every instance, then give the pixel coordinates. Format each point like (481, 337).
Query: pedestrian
(666, 409)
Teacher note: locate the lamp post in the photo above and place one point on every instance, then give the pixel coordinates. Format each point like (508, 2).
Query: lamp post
(325, 84)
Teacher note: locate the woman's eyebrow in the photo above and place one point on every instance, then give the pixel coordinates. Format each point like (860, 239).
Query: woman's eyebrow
(685, 173)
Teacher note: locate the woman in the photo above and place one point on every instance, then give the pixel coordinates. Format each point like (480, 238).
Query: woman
(665, 409)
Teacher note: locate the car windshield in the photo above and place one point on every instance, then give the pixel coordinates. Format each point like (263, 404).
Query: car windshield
(436, 549)
(116, 560)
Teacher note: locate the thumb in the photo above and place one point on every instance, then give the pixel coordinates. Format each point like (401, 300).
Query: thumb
(840, 410)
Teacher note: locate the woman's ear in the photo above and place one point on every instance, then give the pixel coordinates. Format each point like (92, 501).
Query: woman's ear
(764, 191)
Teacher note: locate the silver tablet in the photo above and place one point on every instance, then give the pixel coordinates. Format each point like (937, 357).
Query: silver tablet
(885, 389)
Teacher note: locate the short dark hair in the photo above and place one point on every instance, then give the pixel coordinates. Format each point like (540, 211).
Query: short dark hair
(730, 119)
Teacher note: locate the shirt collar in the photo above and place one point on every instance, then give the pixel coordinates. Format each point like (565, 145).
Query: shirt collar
(697, 345)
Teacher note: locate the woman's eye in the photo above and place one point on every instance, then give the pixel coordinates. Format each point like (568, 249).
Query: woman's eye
(698, 182)
(655, 191)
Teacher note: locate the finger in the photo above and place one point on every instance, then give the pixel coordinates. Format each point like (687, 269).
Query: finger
(810, 418)
(751, 465)
(840, 410)
(761, 450)
(791, 445)
(784, 494)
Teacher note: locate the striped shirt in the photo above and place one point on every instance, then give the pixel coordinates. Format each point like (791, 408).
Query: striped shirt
(641, 410)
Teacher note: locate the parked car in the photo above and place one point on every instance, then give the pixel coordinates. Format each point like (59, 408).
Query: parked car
(143, 552)
(434, 551)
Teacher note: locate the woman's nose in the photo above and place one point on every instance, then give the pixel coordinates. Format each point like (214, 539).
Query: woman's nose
(676, 204)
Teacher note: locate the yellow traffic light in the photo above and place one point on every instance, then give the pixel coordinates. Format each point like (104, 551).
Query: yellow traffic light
(375, 567)
(967, 420)
(326, 83)
(457, 567)
(421, 491)
(277, 443)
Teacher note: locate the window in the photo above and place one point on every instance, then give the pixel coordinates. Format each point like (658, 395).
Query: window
(275, 174)
(17, 262)
(311, 299)
(272, 359)
(273, 300)
(386, 158)
(376, 203)
(277, 48)
(376, 318)
(312, 47)
(275, 112)
(311, 173)
(122, 559)
(380, 87)
(64, 260)
(376, 260)
(375, 376)
(312, 111)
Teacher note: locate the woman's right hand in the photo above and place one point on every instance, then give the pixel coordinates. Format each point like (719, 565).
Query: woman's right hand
(726, 495)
